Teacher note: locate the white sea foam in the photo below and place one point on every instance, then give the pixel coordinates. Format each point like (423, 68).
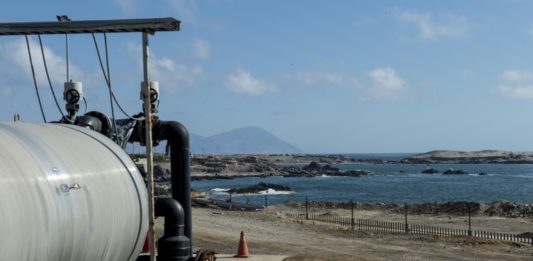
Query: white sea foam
(264, 192)
(274, 192)
(225, 190)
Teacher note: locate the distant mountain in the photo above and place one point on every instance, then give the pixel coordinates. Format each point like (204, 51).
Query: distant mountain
(247, 140)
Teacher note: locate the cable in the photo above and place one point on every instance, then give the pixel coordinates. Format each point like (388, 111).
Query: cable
(35, 79)
(110, 86)
(85, 102)
(48, 77)
(107, 80)
(67, 54)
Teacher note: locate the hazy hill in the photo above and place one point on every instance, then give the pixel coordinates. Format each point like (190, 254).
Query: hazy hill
(247, 140)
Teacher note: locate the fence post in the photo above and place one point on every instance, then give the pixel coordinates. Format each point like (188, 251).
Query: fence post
(352, 221)
(406, 224)
(306, 208)
(470, 223)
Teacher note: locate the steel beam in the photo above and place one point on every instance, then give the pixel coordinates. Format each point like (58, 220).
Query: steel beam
(151, 25)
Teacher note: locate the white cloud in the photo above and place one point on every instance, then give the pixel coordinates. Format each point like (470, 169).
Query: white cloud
(243, 82)
(201, 49)
(173, 75)
(516, 75)
(324, 79)
(519, 92)
(170, 74)
(364, 22)
(126, 5)
(446, 26)
(466, 73)
(6, 91)
(16, 70)
(386, 85)
(516, 84)
(186, 10)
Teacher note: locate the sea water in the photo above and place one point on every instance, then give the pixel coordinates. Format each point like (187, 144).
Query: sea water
(393, 183)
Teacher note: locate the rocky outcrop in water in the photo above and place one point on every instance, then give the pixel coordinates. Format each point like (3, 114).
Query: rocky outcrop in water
(262, 186)
(470, 157)
(454, 172)
(429, 170)
(314, 169)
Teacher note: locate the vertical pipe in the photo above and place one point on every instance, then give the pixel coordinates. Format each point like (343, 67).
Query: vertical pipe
(149, 152)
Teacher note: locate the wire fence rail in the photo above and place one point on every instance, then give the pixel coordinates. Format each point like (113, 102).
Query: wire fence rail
(379, 226)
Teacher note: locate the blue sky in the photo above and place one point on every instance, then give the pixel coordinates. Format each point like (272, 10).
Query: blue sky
(326, 76)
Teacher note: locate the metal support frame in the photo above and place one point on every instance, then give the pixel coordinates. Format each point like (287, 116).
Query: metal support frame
(91, 26)
(145, 26)
(149, 151)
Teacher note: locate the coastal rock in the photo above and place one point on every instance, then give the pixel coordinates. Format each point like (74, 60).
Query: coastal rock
(313, 166)
(456, 208)
(430, 170)
(452, 208)
(161, 174)
(295, 172)
(454, 172)
(262, 186)
(509, 209)
(469, 157)
(354, 173)
(314, 169)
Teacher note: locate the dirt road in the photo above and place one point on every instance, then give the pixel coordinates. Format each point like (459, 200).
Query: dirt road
(270, 232)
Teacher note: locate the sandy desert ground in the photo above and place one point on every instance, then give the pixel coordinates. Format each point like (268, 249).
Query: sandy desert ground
(271, 232)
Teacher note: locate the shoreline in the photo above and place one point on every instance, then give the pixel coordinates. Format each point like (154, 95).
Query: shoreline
(499, 208)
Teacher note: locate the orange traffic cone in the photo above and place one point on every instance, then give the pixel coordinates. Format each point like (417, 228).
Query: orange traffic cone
(243, 247)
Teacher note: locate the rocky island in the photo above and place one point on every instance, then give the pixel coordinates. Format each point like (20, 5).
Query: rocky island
(470, 157)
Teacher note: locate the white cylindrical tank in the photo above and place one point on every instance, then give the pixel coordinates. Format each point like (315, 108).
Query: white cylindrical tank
(68, 193)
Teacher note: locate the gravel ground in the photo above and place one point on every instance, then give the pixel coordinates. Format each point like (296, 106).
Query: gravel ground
(270, 232)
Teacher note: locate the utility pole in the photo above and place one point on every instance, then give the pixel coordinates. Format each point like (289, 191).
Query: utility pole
(406, 224)
(353, 220)
(306, 208)
(469, 222)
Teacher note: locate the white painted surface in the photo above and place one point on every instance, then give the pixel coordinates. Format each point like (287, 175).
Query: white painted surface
(68, 193)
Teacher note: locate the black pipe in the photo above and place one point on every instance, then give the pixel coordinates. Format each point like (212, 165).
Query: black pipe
(173, 245)
(177, 137)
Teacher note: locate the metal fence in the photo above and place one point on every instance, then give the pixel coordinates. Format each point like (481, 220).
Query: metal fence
(378, 226)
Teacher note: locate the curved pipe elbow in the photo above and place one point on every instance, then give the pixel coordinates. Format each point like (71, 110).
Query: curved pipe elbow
(174, 132)
(174, 215)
